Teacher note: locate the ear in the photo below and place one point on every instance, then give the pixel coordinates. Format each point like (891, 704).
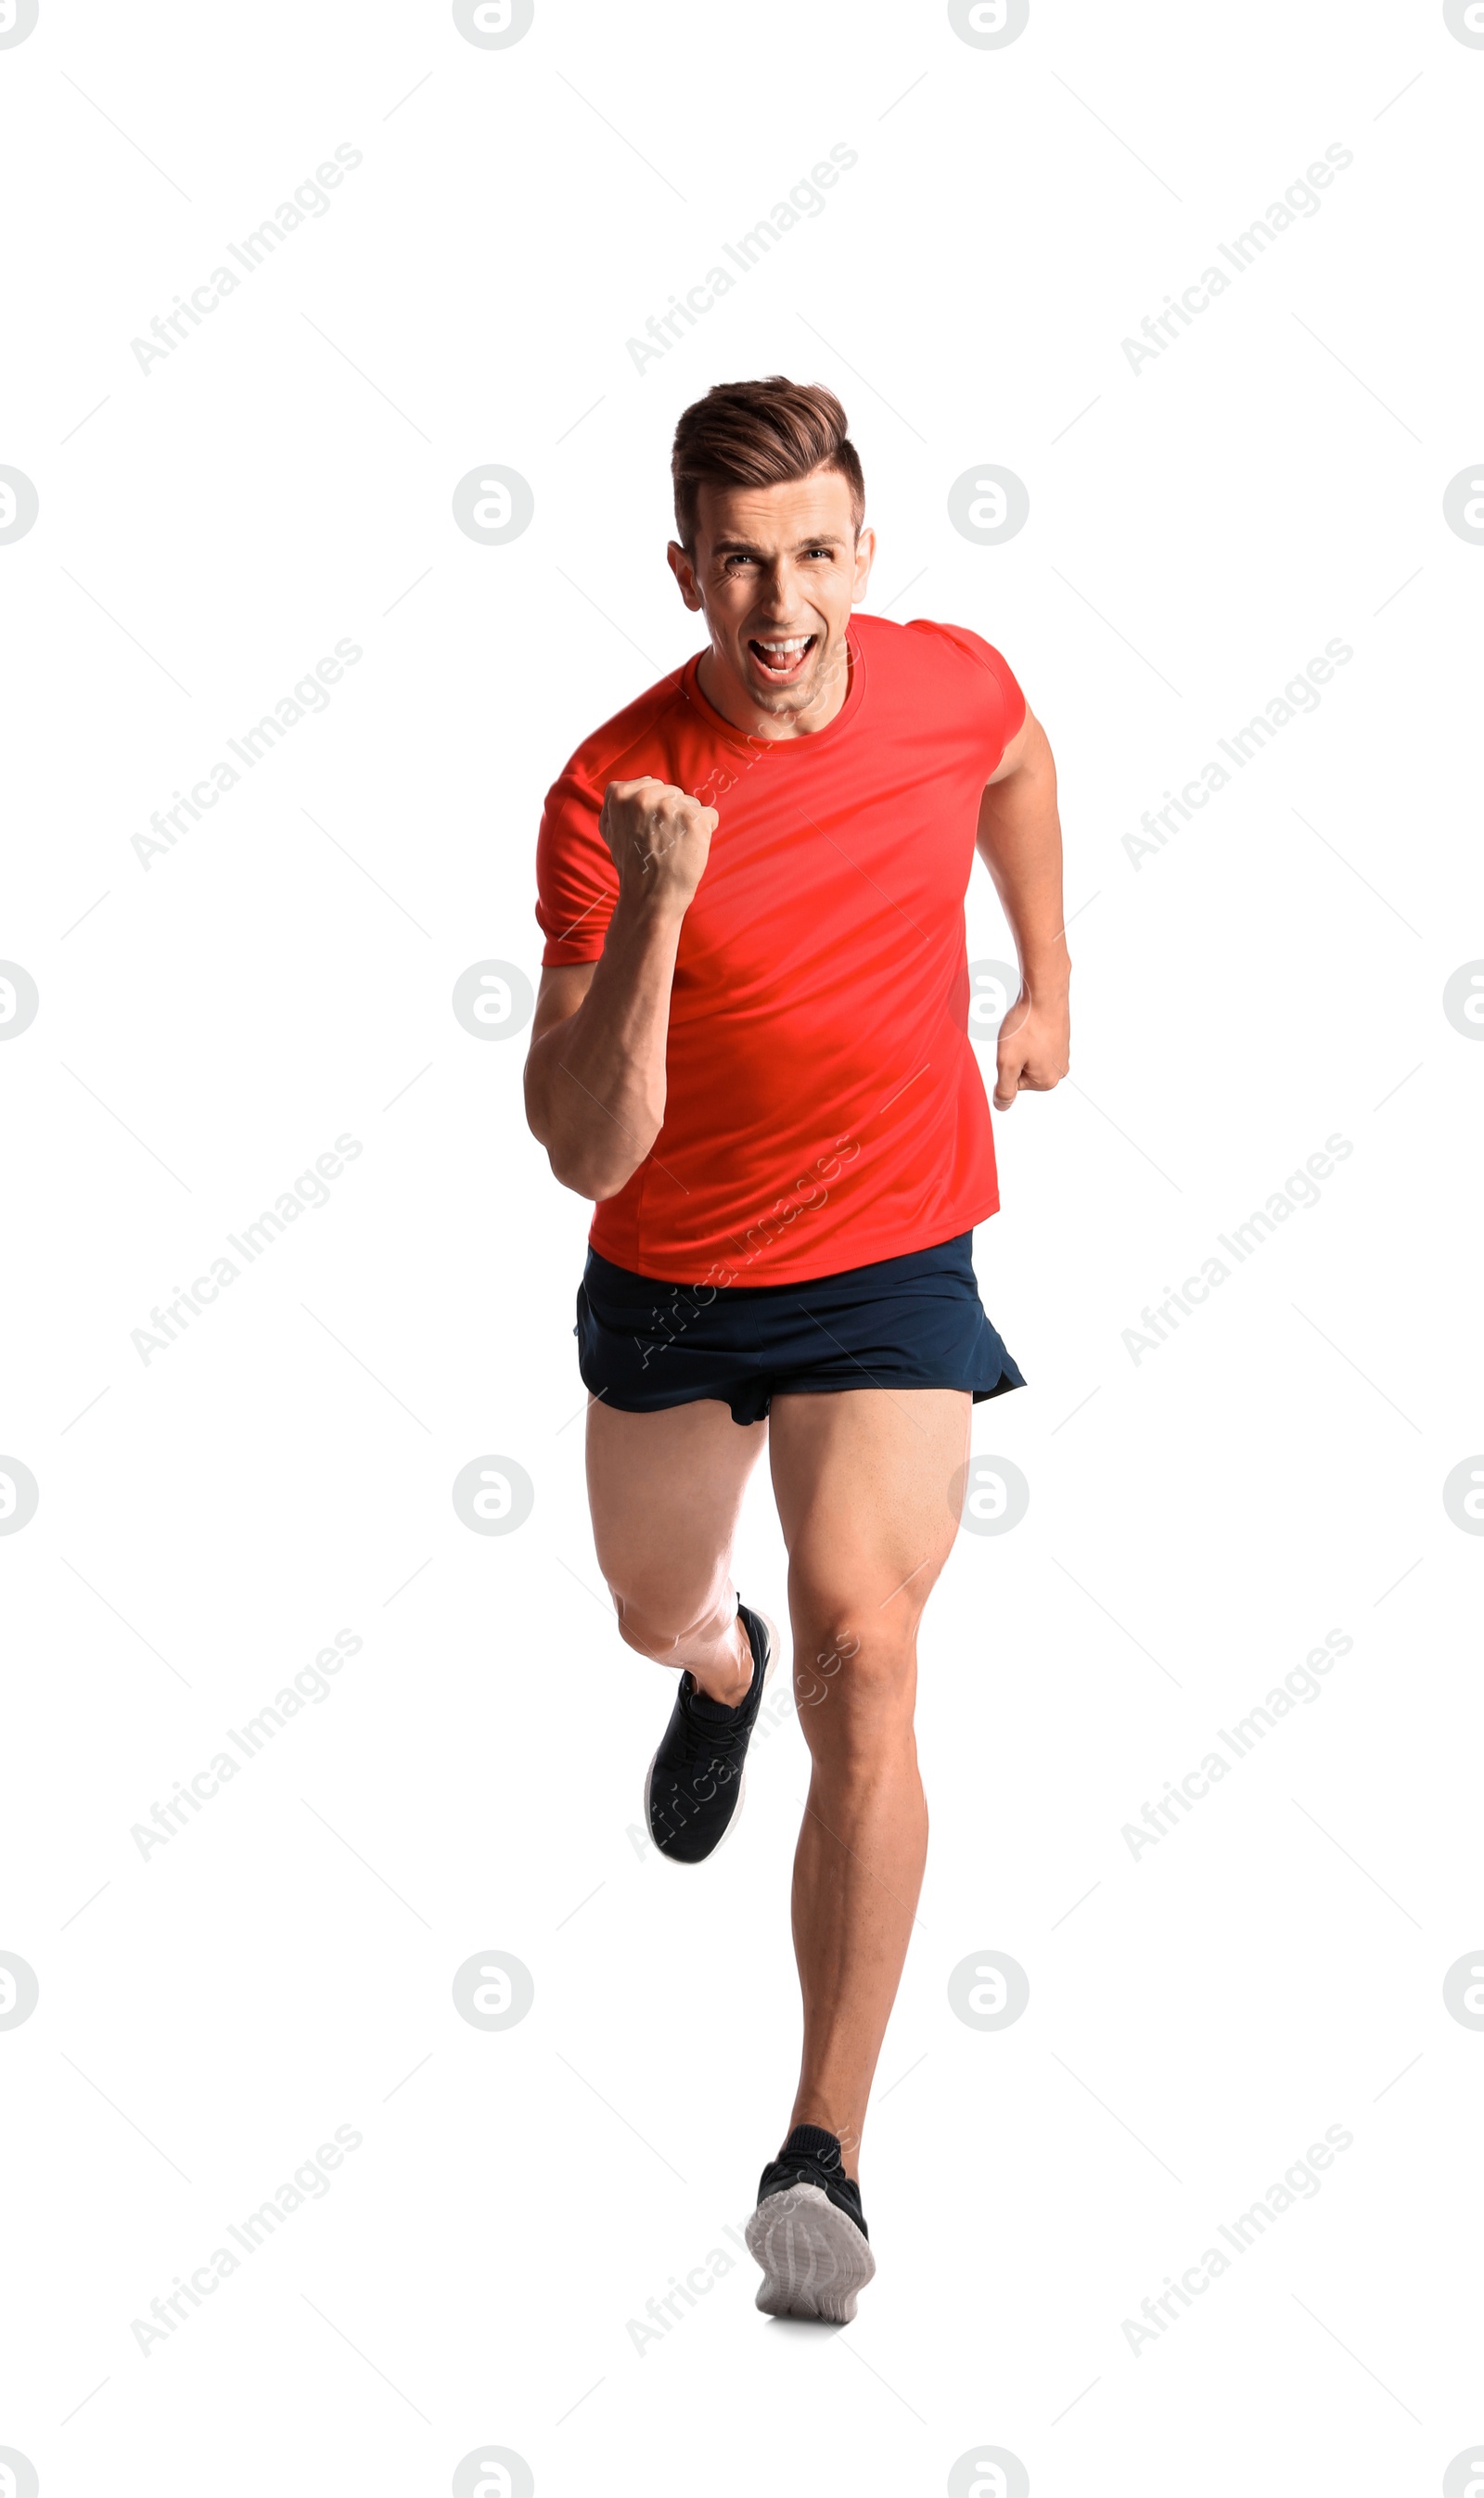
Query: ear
(684, 572)
(865, 557)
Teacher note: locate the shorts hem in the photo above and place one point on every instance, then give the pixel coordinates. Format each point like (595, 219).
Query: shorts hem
(762, 1403)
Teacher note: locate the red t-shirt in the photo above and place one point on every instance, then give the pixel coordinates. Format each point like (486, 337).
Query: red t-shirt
(824, 1107)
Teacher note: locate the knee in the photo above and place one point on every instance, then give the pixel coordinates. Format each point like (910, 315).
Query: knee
(645, 1631)
(856, 1685)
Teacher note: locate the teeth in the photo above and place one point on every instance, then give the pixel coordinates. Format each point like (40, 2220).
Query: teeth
(800, 642)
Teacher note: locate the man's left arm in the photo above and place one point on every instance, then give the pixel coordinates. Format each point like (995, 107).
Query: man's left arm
(1020, 841)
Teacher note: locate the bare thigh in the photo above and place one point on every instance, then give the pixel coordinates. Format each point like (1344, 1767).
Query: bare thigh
(666, 1491)
(866, 1483)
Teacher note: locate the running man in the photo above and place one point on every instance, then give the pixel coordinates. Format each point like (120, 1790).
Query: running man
(751, 1049)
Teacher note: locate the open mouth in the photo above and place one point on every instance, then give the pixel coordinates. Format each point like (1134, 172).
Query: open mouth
(785, 659)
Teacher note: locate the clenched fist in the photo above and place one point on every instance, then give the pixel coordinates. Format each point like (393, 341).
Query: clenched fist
(1035, 1046)
(660, 840)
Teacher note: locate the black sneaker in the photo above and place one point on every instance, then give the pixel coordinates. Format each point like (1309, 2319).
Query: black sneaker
(809, 2233)
(694, 1784)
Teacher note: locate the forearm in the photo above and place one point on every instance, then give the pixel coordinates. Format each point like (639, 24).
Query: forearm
(594, 1083)
(1019, 839)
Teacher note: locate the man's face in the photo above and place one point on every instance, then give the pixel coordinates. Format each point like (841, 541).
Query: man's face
(776, 570)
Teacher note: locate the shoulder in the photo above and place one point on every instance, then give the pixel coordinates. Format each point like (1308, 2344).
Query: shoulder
(952, 659)
(576, 882)
(625, 746)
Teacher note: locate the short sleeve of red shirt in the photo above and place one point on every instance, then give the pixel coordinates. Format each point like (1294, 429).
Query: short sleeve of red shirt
(995, 696)
(577, 880)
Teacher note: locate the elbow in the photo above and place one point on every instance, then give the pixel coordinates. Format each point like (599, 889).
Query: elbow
(585, 1176)
(567, 1169)
(593, 1158)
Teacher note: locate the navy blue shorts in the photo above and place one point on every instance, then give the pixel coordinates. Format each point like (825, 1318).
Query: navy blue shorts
(913, 1321)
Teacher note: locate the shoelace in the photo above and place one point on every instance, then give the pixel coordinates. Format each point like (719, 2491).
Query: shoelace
(801, 2170)
(710, 1735)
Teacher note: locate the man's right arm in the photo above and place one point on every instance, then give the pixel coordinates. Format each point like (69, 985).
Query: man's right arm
(595, 1073)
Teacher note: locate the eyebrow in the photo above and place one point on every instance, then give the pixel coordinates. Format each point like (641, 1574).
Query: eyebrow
(745, 546)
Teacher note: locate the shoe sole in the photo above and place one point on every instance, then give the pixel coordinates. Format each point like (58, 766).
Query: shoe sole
(814, 2258)
(687, 1864)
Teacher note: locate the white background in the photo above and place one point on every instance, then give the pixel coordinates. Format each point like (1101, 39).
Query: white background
(211, 1023)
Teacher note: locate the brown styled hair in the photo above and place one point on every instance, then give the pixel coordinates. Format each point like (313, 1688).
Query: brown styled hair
(760, 434)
